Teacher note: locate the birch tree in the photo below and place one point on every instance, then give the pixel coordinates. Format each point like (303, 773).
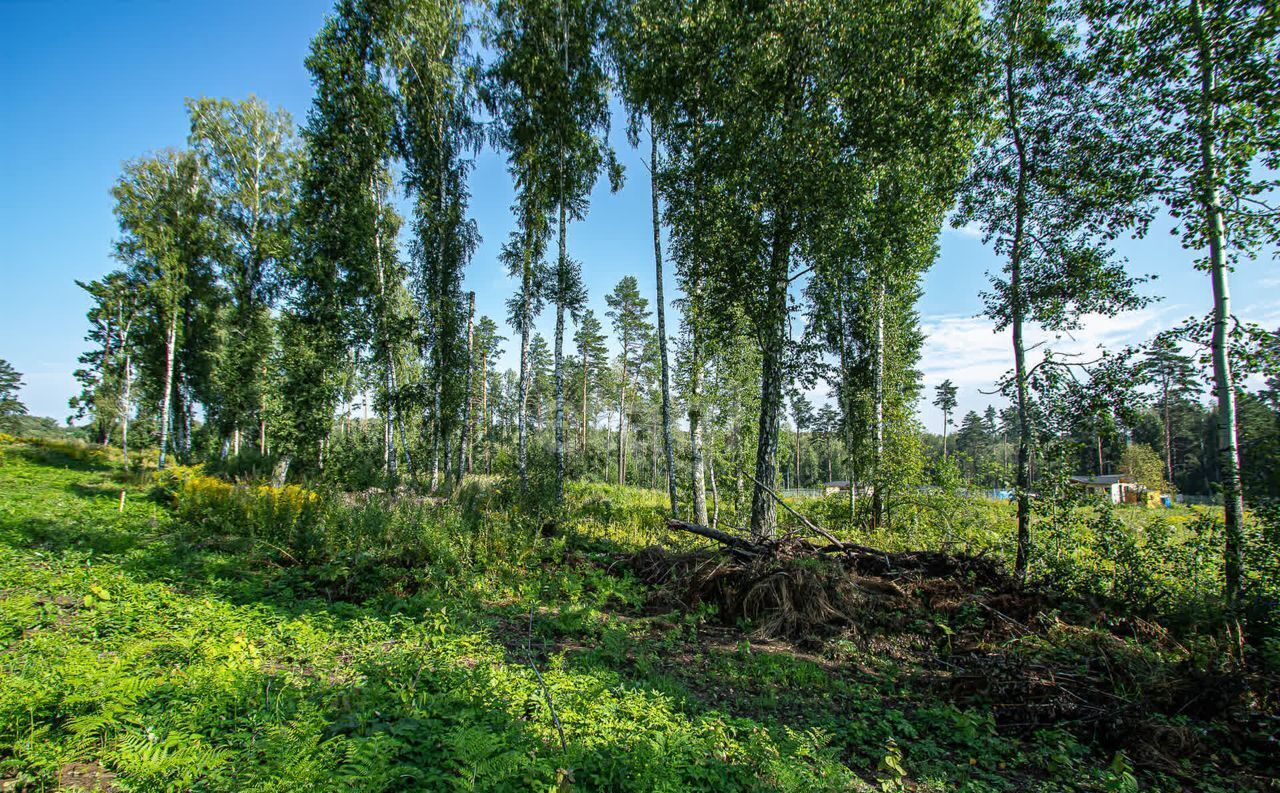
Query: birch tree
(161, 206)
(1051, 184)
(247, 154)
(1200, 77)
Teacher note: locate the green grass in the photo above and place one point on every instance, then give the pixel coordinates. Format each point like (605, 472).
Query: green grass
(165, 650)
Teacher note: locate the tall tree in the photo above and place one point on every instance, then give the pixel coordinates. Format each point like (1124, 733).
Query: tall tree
(554, 115)
(630, 314)
(945, 400)
(664, 372)
(1052, 182)
(108, 380)
(593, 358)
(768, 109)
(802, 417)
(487, 349)
(10, 383)
(247, 154)
(1174, 376)
(426, 46)
(1201, 76)
(161, 206)
(345, 290)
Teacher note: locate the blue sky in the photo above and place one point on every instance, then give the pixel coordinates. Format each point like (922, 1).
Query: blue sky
(86, 86)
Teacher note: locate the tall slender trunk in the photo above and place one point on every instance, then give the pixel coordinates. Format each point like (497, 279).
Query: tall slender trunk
(797, 479)
(1017, 310)
(435, 429)
(1168, 437)
(695, 422)
(662, 321)
(526, 320)
(562, 278)
(166, 405)
(388, 364)
(715, 492)
(622, 418)
(764, 514)
(878, 487)
(945, 417)
(582, 437)
(465, 452)
(125, 398)
(484, 414)
(446, 442)
(1223, 380)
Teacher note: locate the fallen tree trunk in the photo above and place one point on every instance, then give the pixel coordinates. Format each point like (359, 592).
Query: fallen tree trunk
(736, 543)
(863, 559)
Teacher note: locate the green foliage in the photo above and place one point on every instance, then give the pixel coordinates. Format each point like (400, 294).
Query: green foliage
(1145, 466)
(10, 406)
(279, 639)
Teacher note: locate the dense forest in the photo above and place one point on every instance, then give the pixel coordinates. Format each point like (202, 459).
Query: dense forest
(273, 311)
(288, 327)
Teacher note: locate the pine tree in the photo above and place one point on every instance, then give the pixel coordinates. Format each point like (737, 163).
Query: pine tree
(593, 357)
(945, 400)
(630, 315)
(10, 406)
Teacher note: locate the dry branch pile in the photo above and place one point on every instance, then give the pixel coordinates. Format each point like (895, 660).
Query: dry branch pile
(795, 589)
(1122, 681)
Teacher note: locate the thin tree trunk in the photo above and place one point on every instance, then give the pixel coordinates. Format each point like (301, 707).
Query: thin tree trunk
(585, 407)
(124, 408)
(435, 427)
(878, 487)
(562, 284)
(715, 494)
(1223, 380)
(1168, 435)
(464, 446)
(764, 514)
(166, 406)
(695, 426)
(388, 371)
(662, 323)
(526, 306)
(622, 420)
(484, 414)
(1016, 310)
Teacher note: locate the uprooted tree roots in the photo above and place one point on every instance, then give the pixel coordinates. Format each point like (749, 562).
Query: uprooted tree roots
(796, 590)
(1015, 655)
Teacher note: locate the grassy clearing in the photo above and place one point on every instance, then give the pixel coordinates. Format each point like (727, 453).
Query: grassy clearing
(213, 638)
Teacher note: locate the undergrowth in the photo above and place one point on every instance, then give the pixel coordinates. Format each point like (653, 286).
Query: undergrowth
(200, 635)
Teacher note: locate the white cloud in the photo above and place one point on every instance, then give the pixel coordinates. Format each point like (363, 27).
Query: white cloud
(971, 230)
(968, 351)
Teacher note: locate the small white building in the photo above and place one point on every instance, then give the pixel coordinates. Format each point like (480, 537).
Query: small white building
(1116, 488)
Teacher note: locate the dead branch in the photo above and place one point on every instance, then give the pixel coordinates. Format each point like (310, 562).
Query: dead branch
(812, 526)
(736, 543)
